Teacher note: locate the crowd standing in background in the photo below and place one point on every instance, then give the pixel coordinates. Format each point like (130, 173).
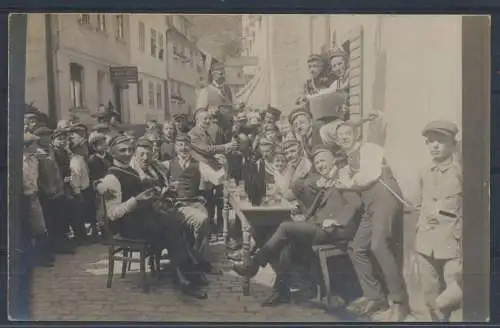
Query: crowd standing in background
(343, 187)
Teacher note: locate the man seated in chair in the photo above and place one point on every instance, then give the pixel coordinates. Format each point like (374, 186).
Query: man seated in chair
(188, 177)
(182, 177)
(131, 211)
(332, 219)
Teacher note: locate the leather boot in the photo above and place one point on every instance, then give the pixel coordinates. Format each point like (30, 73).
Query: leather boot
(280, 293)
(187, 287)
(251, 267)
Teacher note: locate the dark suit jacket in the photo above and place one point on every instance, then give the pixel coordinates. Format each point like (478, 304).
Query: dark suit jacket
(204, 141)
(342, 206)
(98, 167)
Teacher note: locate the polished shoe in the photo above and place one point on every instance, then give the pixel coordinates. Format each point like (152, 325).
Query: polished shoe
(198, 279)
(357, 305)
(192, 291)
(64, 247)
(209, 268)
(246, 269)
(373, 306)
(398, 312)
(276, 298)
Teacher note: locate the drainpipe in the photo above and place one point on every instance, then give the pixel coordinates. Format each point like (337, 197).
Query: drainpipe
(51, 72)
(168, 114)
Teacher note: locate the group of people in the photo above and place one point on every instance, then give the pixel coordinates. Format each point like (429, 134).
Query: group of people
(166, 186)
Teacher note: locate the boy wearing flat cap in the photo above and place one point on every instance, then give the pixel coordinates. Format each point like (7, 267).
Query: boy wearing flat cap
(439, 228)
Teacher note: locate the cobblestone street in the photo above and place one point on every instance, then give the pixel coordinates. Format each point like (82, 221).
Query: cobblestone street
(75, 290)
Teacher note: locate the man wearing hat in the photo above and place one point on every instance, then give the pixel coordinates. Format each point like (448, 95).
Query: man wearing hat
(367, 173)
(83, 208)
(167, 149)
(32, 119)
(306, 132)
(218, 98)
(206, 148)
(332, 220)
(266, 149)
(51, 192)
(34, 223)
(181, 123)
(130, 208)
(186, 174)
(339, 67)
(320, 78)
(271, 116)
(439, 228)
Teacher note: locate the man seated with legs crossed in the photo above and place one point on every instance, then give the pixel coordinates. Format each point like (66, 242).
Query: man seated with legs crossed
(332, 219)
(130, 209)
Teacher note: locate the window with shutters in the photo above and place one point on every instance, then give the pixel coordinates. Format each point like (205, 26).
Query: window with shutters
(158, 96)
(101, 22)
(153, 42)
(84, 19)
(142, 37)
(76, 85)
(161, 50)
(353, 45)
(139, 92)
(119, 28)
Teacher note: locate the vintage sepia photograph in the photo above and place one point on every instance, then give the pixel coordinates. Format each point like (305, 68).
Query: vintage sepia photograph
(254, 168)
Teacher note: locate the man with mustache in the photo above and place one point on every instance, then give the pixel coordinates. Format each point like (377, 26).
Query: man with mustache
(129, 206)
(308, 134)
(331, 219)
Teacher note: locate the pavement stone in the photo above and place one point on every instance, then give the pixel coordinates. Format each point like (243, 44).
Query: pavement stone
(75, 290)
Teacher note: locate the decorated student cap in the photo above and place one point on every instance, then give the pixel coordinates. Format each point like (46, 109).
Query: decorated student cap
(183, 137)
(144, 142)
(299, 110)
(337, 52)
(119, 139)
(290, 142)
(316, 58)
(275, 112)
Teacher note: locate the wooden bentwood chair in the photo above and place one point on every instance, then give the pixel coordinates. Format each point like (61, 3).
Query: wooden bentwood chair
(127, 247)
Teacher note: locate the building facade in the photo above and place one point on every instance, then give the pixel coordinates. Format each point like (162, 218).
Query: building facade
(406, 66)
(147, 41)
(83, 48)
(183, 65)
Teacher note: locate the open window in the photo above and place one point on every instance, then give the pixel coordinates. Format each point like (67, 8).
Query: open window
(76, 85)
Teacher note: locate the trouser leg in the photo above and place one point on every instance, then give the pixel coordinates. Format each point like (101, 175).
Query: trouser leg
(282, 264)
(451, 298)
(78, 218)
(304, 234)
(209, 196)
(359, 253)
(383, 247)
(196, 221)
(429, 271)
(219, 203)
